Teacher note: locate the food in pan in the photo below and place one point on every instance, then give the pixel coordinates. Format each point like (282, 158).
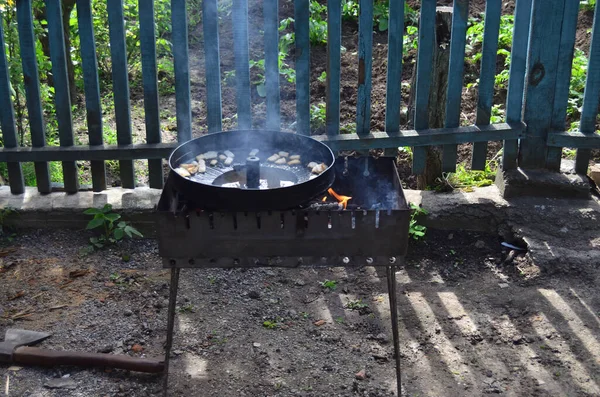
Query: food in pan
(253, 152)
(281, 161)
(201, 166)
(311, 165)
(295, 157)
(183, 172)
(191, 168)
(273, 158)
(228, 161)
(318, 169)
(208, 155)
(228, 154)
(213, 162)
(294, 162)
(283, 154)
(222, 157)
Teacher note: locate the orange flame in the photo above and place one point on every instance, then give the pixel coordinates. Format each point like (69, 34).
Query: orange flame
(324, 199)
(341, 199)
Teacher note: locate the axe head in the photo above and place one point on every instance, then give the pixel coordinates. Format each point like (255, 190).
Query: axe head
(14, 338)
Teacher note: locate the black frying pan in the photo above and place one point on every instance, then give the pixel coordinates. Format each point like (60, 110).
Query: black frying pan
(224, 188)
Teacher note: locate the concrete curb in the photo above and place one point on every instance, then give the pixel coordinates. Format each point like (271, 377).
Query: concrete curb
(482, 210)
(65, 211)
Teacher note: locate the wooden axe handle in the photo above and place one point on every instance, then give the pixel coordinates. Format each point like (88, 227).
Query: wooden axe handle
(48, 358)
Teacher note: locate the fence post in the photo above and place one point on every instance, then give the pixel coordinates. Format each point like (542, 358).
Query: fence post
(542, 78)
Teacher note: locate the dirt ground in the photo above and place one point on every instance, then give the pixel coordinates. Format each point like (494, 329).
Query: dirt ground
(471, 323)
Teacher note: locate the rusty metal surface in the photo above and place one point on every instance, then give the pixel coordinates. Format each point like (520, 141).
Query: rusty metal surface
(303, 237)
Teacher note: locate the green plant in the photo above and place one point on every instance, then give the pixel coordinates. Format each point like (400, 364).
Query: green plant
(339, 320)
(579, 73)
(317, 115)
(323, 77)
(189, 308)
(416, 230)
(588, 5)
(356, 305)
(468, 179)
(329, 284)
(111, 232)
(410, 40)
(475, 36)
(406, 149)
(349, 128)
(381, 13)
(272, 324)
(317, 25)
(497, 114)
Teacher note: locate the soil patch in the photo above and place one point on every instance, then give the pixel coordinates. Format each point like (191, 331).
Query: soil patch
(471, 323)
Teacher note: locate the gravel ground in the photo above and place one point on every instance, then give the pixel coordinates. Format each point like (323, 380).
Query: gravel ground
(471, 323)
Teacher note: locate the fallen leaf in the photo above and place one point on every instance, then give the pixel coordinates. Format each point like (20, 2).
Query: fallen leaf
(361, 375)
(23, 314)
(318, 323)
(137, 348)
(17, 295)
(66, 284)
(78, 273)
(7, 251)
(14, 368)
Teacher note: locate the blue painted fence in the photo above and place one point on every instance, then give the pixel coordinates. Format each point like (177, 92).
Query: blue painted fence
(533, 134)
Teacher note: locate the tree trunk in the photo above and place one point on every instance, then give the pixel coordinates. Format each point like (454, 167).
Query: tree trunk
(437, 95)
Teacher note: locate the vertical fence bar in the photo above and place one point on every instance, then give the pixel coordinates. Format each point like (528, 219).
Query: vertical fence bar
(239, 15)
(460, 16)
(516, 81)
(91, 87)
(493, 10)
(563, 79)
(7, 120)
(365, 61)
(271, 11)
(542, 71)
(301, 18)
(149, 77)
(393, 95)
(591, 96)
(120, 78)
(62, 99)
(179, 37)
(423, 83)
(210, 25)
(334, 58)
(32, 90)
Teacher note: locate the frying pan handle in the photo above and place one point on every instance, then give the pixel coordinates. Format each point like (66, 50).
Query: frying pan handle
(47, 358)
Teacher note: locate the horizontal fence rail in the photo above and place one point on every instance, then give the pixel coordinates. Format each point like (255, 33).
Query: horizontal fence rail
(532, 137)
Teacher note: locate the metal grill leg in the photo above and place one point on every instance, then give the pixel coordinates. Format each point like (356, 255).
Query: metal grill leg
(391, 279)
(170, 324)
